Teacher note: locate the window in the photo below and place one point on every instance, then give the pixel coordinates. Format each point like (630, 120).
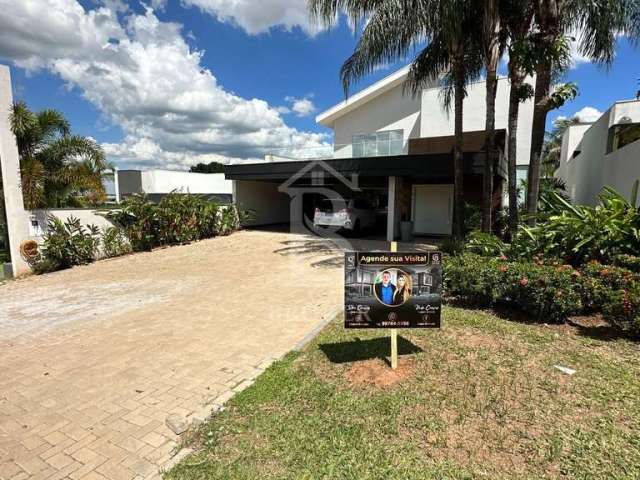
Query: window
(377, 144)
(621, 135)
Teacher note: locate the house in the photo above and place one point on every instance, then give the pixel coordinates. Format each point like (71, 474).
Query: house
(399, 146)
(603, 153)
(158, 183)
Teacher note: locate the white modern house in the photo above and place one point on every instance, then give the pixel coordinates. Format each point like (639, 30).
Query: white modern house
(399, 149)
(158, 183)
(603, 153)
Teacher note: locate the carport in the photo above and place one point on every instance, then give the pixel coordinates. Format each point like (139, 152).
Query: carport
(416, 187)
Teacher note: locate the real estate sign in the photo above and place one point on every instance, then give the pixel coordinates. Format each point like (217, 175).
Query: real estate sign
(392, 289)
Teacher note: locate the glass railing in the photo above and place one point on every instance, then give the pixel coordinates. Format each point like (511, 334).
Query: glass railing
(326, 152)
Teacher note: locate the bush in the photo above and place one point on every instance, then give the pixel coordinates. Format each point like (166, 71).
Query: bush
(485, 244)
(114, 243)
(176, 219)
(546, 292)
(579, 233)
(67, 244)
(622, 310)
(630, 262)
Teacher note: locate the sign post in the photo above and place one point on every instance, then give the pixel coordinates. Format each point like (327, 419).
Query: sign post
(392, 290)
(394, 331)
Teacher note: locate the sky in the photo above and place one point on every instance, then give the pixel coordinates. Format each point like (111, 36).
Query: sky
(168, 84)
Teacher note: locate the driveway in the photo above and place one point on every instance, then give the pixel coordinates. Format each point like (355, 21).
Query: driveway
(95, 359)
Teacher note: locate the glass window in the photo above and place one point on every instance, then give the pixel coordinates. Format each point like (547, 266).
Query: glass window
(621, 135)
(387, 142)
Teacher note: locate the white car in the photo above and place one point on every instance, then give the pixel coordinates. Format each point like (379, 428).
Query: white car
(354, 215)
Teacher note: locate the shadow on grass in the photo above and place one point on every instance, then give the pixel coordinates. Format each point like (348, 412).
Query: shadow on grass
(358, 350)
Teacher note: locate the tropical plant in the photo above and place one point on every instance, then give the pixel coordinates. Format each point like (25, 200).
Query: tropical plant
(57, 168)
(580, 233)
(67, 244)
(176, 219)
(393, 29)
(114, 242)
(485, 244)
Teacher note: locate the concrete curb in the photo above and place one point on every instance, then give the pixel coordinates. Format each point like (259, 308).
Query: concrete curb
(308, 338)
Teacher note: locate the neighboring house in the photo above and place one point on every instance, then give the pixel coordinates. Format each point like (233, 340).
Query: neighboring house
(399, 147)
(158, 183)
(605, 152)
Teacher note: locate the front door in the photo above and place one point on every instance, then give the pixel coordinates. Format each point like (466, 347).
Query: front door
(432, 210)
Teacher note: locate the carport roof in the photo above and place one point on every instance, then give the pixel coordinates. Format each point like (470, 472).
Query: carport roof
(429, 166)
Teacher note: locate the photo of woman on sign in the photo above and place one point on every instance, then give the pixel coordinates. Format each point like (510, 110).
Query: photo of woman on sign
(392, 287)
(403, 289)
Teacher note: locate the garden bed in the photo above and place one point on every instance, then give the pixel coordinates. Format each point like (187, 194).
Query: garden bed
(479, 398)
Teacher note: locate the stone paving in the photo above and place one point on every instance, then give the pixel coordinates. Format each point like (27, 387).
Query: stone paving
(94, 359)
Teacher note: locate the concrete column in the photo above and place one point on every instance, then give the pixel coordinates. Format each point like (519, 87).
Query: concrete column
(17, 217)
(391, 209)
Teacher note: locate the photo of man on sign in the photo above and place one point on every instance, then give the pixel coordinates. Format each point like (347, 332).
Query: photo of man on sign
(392, 287)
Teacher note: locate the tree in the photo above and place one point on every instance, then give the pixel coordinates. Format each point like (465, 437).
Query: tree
(517, 19)
(394, 28)
(493, 43)
(598, 24)
(57, 169)
(211, 167)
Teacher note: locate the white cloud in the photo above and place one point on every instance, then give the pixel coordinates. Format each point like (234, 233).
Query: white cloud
(259, 16)
(588, 114)
(585, 115)
(302, 107)
(143, 76)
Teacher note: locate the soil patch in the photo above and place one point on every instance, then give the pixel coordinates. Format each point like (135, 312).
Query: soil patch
(378, 373)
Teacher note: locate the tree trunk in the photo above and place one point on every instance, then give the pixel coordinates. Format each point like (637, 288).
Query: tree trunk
(512, 146)
(540, 110)
(492, 56)
(458, 159)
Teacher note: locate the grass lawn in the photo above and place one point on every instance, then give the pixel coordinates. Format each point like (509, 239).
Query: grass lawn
(478, 399)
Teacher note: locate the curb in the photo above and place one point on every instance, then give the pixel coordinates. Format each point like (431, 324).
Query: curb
(308, 338)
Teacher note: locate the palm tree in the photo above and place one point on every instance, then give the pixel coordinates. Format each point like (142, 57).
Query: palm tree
(552, 148)
(450, 30)
(598, 24)
(57, 169)
(517, 19)
(493, 43)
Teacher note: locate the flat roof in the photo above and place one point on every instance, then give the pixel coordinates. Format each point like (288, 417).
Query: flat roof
(436, 167)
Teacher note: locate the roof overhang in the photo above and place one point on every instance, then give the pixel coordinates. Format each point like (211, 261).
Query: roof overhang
(434, 167)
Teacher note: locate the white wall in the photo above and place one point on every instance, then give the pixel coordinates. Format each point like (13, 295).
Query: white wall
(623, 168)
(85, 215)
(392, 110)
(436, 121)
(165, 181)
(16, 216)
(593, 168)
(269, 205)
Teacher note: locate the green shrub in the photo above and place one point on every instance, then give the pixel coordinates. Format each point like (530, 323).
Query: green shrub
(630, 262)
(485, 244)
(580, 233)
(115, 243)
(622, 310)
(176, 219)
(67, 244)
(546, 292)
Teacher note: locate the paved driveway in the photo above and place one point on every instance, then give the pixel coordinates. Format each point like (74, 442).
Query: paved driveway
(94, 359)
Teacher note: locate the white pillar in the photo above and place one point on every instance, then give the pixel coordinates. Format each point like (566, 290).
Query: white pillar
(17, 217)
(391, 209)
(116, 184)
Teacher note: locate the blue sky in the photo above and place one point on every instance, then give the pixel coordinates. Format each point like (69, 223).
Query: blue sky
(257, 64)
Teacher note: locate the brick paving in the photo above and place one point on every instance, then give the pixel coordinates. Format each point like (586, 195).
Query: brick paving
(96, 358)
